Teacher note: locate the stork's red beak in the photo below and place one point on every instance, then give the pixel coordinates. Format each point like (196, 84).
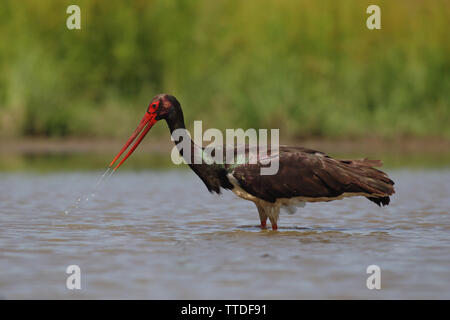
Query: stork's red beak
(143, 128)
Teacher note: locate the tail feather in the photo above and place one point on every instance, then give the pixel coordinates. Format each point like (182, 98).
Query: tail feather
(371, 180)
(380, 201)
(375, 179)
(364, 163)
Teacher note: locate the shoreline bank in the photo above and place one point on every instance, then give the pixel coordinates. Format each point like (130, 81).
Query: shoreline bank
(330, 146)
(49, 155)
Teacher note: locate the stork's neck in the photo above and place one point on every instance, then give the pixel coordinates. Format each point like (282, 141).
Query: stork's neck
(213, 175)
(176, 122)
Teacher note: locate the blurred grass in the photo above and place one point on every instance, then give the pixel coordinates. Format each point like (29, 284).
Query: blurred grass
(311, 68)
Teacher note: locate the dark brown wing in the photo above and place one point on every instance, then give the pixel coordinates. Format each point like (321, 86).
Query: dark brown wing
(309, 173)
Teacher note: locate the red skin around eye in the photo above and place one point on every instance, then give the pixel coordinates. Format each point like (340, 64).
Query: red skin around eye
(153, 107)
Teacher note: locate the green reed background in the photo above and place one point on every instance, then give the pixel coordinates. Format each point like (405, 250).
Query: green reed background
(310, 68)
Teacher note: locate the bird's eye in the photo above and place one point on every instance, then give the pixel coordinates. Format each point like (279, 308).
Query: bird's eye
(152, 107)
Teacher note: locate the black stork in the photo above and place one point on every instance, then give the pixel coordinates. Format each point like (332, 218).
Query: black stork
(304, 175)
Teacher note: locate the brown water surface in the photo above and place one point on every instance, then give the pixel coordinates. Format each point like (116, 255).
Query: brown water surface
(162, 235)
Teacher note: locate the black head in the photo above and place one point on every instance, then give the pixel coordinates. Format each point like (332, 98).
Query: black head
(164, 106)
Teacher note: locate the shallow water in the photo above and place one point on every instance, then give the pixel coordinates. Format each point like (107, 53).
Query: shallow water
(162, 235)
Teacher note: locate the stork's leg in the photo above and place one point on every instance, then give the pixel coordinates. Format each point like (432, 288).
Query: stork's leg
(273, 213)
(263, 223)
(268, 211)
(273, 221)
(262, 216)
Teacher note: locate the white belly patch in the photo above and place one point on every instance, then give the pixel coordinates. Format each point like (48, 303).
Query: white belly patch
(289, 205)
